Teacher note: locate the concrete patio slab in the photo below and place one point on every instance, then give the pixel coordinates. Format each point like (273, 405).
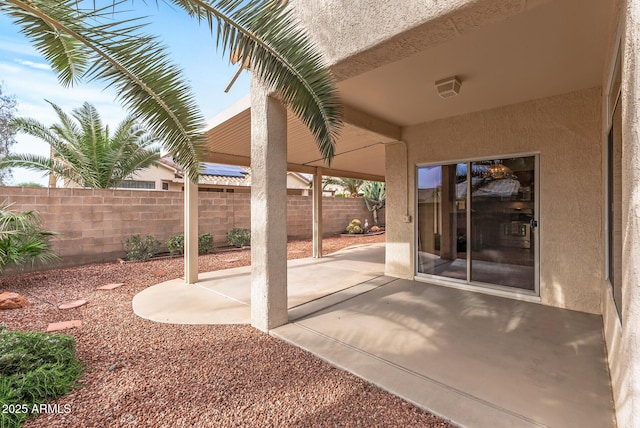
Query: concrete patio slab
(478, 360)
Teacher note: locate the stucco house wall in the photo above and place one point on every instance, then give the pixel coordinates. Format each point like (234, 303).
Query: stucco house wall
(376, 33)
(565, 130)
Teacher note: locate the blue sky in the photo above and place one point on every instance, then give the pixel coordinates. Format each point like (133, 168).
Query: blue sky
(25, 74)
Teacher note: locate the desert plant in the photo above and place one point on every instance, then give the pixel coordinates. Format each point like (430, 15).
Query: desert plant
(22, 239)
(205, 243)
(34, 367)
(375, 197)
(175, 244)
(355, 226)
(239, 237)
(139, 249)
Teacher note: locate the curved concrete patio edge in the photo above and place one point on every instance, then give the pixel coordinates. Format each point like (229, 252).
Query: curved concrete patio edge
(175, 302)
(224, 296)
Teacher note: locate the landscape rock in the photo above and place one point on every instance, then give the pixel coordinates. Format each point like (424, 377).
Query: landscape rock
(10, 300)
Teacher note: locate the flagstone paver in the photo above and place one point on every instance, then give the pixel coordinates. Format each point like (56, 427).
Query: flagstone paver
(111, 286)
(63, 325)
(72, 304)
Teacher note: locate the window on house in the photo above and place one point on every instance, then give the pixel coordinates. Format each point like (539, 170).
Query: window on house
(135, 184)
(165, 186)
(614, 190)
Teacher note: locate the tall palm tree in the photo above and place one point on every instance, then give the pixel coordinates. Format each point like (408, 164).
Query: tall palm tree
(84, 151)
(350, 185)
(84, 42)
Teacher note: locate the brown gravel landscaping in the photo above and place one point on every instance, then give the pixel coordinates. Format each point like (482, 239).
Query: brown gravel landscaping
(141, 373)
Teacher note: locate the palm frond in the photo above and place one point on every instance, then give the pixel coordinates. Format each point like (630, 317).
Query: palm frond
(89, 44)
(22, 239)
(43, 164)
(35, 128)
(280, 53)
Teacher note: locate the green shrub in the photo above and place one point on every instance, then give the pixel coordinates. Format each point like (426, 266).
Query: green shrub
(205, 243)
(175, 244)
(355, 227)
(239, 237)
(138, 249)
(34, 367)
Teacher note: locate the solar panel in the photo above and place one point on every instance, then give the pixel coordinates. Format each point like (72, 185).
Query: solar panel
(223, 170)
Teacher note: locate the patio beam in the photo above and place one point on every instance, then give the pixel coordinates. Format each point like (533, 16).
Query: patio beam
(268, 209)
(371, 123)
(190, 232)
(317, 214)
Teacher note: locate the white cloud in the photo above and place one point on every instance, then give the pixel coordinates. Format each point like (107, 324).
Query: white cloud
(36, 65)
(11, 44)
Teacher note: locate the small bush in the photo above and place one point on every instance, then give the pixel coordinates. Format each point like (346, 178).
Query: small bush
(355, 227)
(34, 367)
(138, 249)
(239, 237)
(205, 243)
(175, 244)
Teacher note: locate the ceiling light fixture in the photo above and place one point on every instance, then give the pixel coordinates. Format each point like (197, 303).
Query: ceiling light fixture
(449, 87)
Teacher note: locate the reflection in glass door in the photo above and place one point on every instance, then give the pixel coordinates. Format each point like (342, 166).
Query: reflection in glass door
(442, 224)
(502, 222)
(494, 241)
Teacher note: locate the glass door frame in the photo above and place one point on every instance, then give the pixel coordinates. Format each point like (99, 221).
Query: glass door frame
(476, 285)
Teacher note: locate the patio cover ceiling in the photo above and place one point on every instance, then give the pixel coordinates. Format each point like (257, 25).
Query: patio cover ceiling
(543, 49)
(359, 150)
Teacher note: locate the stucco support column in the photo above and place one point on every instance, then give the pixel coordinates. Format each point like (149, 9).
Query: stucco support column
(629, 405)
(317, 214)
(399, 247)
(190, 231)
(268, 209)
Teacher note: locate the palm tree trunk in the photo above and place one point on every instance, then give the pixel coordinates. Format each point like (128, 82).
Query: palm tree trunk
(52, 178)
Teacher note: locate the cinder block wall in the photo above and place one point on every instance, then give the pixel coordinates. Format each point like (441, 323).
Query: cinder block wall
(92, 223)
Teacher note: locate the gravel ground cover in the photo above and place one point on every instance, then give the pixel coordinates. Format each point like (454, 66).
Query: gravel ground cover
(140, 373)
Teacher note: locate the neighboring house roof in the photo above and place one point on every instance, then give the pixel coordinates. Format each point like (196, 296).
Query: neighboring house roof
(227, 175)
(214, 173)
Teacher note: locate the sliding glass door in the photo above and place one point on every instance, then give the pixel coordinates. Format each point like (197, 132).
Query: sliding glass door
(477, 222)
